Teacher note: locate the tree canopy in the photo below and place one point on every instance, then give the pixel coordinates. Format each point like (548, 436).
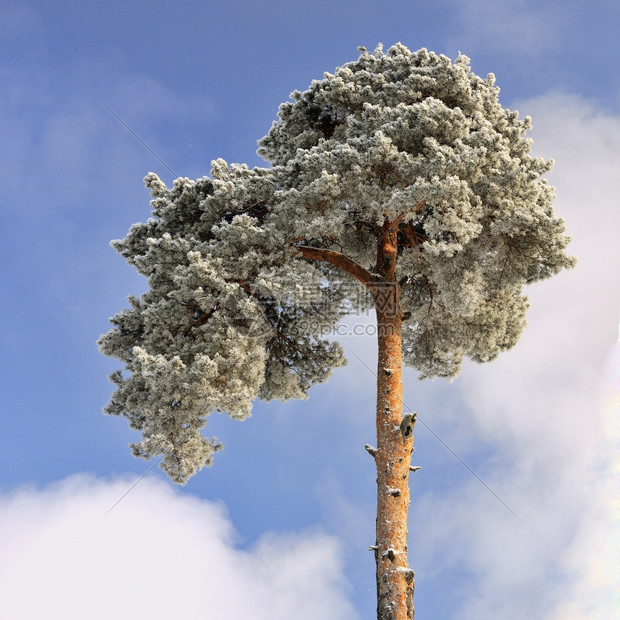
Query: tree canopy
(248, 269)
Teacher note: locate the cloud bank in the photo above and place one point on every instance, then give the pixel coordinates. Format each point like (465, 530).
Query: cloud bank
(158, 554)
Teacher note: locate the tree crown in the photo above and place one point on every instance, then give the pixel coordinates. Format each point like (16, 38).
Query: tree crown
(248, 269)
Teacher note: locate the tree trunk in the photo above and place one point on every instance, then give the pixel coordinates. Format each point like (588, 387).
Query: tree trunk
(395, 580)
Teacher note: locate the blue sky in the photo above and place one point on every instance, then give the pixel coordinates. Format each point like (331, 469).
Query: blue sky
(287, 511)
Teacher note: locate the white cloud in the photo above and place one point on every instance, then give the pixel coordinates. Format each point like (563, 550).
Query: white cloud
(540, 405)
(158, 554)
(511, 26)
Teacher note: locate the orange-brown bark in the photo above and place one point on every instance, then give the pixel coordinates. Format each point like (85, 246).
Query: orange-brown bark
(395, 580)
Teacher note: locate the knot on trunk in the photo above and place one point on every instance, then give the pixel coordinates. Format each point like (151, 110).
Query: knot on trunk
(407, 424)
(409, 575)
(371, 450)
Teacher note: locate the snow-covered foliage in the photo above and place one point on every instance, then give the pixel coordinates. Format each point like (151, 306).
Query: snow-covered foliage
(236, 310)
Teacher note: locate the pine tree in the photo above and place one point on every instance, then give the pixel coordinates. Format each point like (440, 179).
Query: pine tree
(400, 176)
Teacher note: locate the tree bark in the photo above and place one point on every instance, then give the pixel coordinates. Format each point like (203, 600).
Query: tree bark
(395, 580)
